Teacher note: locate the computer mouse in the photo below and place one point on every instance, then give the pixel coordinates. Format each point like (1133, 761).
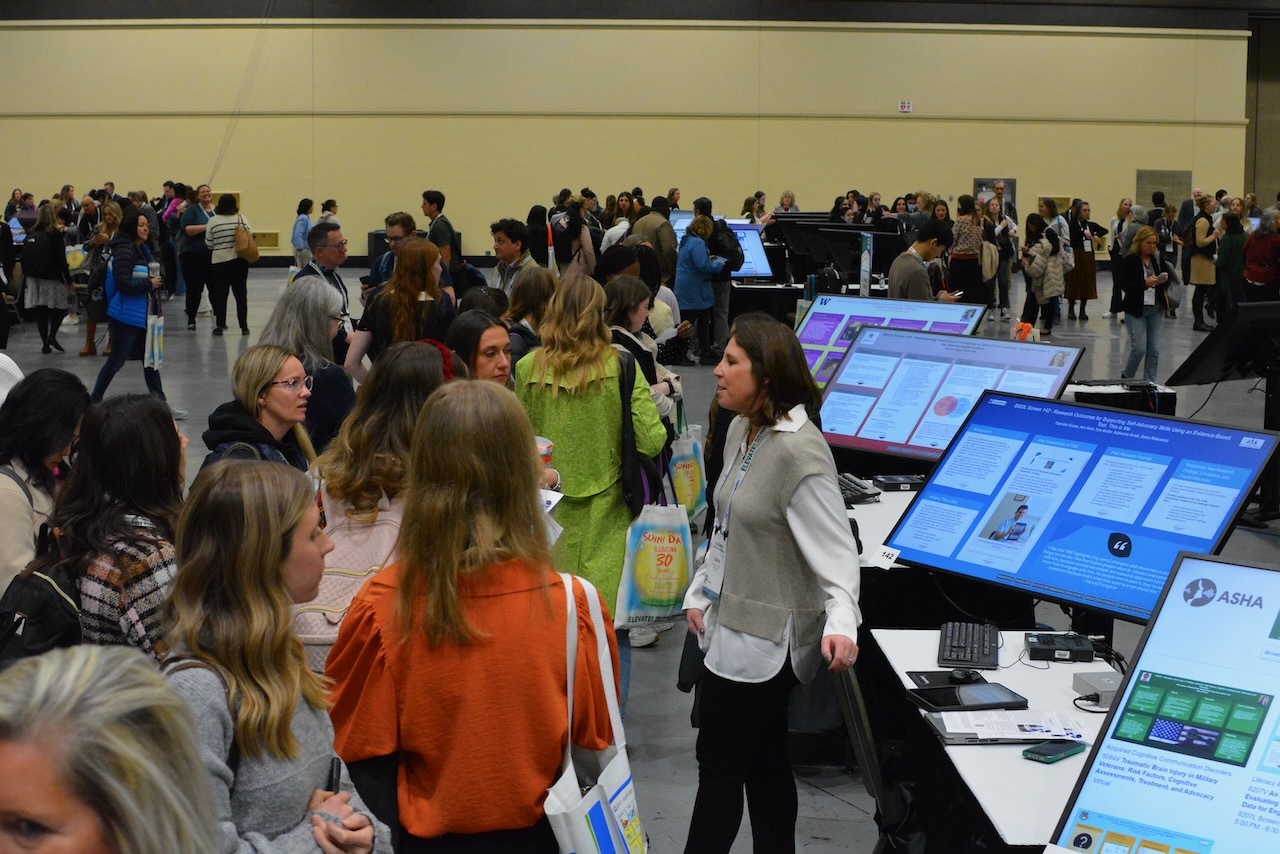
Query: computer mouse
(964, 677)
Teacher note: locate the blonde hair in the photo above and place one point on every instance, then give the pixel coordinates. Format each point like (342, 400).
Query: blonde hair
(123, 741)
(472, 502)
(369, 457)
(701, 226)
(576, 341)
(229, 606)
(251, 376)
(1143, 233)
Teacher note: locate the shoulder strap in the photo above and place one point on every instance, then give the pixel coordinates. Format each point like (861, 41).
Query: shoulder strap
(626, 384)
(178, 663)
(571, 660)
(9, 472)
(241, 446)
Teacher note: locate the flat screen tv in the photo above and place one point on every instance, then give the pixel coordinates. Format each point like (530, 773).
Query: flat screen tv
(1189, 757)
(755, 263)
(832, 322)
(906, 393)
(1079, 504)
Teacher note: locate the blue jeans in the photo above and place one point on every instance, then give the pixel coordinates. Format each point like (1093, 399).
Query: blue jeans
(125, 340)
(1144, 341)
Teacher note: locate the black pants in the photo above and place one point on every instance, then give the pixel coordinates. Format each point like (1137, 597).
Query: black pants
(703, 321)
(229, 277)
(538, 839)
(1200, 293)
(742, 744)
(195, 273)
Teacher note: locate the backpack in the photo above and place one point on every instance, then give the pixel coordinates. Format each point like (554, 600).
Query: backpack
(40, 611)
(101, 284)
(1063, 241)
(361, 548)
(724, 243)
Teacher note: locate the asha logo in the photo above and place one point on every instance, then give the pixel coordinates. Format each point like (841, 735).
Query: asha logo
(1199, 593)
(1120, 545)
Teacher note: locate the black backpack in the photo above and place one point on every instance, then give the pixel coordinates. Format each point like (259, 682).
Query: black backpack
(96, 307)
(40, 611)
(724, 243)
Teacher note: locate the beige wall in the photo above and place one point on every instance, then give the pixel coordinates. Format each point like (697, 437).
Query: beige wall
(501, 116)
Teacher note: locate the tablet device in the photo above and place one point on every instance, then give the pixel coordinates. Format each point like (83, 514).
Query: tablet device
(966, 698)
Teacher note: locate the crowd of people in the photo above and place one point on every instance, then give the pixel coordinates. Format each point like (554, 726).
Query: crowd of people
(414, 403)
(1226, 249)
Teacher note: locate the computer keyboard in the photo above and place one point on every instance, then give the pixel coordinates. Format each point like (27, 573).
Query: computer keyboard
(974, 645)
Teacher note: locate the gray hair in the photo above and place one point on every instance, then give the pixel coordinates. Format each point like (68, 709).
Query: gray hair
(300, 321)
(1267, 222)
(1137, 213)
(123, 743)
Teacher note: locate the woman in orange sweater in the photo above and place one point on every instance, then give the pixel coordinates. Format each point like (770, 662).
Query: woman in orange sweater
(426, 664)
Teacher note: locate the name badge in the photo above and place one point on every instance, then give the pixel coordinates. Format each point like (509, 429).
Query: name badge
(715, 568)
(1088, 245)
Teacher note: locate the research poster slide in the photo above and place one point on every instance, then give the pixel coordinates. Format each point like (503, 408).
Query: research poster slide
(1190, 761)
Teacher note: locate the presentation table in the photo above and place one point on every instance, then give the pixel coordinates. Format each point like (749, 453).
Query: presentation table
(1021, 799)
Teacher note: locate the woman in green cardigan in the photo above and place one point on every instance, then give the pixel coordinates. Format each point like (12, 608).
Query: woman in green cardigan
(569, 387)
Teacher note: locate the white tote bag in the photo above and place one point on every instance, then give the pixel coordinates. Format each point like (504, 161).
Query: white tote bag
(592, 804)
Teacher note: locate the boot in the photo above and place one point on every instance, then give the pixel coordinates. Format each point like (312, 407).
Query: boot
(1071, 309)
(90, 345)
(1083, 316)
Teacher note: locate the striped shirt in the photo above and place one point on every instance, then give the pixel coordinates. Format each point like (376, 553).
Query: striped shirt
(220, 236)
(121, 591)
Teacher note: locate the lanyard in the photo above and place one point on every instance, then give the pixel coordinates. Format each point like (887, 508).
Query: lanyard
(722, 526)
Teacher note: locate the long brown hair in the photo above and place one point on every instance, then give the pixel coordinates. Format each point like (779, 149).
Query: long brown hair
(778, 365)
(370, 456)
(412, 278)
(229, 606)
(472, 502)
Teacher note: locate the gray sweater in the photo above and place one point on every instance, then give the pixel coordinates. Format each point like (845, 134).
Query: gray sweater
(262, 807)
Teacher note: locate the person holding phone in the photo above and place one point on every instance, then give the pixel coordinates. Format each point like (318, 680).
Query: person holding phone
(1143, 281)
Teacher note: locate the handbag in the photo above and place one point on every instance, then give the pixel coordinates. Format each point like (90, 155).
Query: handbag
(657, 568)
(641, 476)
(1173, 289)
(990, 261)
(153, 344)
(591, 806)
(688, 478)
(246, 246)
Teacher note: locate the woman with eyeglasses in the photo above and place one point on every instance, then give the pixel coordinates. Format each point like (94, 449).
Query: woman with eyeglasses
(264, 422)
(304, 321)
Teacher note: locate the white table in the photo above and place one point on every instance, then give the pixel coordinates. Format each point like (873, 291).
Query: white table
(1023, 799)
(875, 522)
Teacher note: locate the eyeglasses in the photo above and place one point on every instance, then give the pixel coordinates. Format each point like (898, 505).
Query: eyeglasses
(394, 241)
(336, 317)
(293, 384)
(342, 245)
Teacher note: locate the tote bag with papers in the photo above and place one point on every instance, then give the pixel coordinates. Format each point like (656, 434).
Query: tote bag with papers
(592, 804)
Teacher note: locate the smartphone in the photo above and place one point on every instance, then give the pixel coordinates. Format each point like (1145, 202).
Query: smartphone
(966, 698)
(335, 775)
(957, 294)
(1053, 751)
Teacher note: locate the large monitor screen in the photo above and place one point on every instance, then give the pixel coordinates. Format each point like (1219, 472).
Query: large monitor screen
(1189, 756)
(680, 221)
(1079, 504)
(832, 322)
(906, 393)
(755, 263)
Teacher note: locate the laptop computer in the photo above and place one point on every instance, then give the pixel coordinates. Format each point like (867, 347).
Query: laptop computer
(1189, 757)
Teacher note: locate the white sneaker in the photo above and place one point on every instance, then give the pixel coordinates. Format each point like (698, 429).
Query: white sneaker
(1106, 315)
(1004, 314)
(71, 320)
(178, 414)
(640, 638)
(991, 315)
